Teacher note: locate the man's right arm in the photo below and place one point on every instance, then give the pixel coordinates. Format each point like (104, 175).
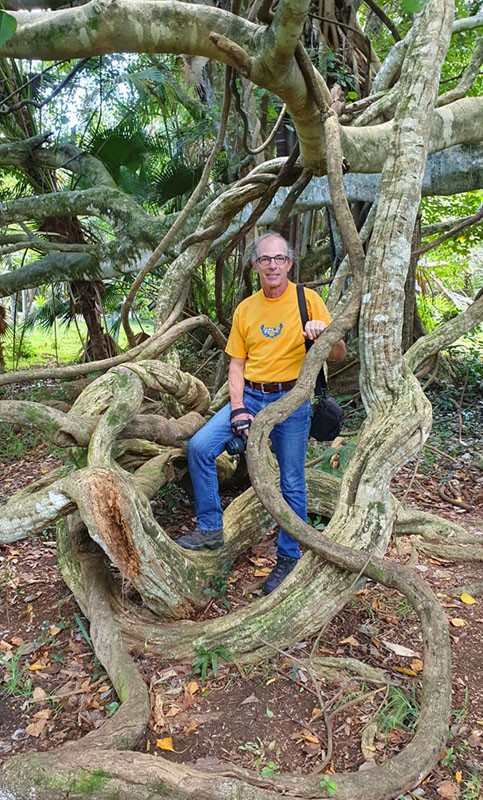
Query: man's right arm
(236, 386)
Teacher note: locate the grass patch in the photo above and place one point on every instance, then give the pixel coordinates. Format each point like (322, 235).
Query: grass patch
(43, 348)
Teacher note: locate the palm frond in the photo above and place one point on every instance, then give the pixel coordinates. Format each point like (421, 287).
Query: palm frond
(175, 179)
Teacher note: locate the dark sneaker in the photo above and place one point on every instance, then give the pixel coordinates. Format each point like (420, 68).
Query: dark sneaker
(199, 540)
(282, 568)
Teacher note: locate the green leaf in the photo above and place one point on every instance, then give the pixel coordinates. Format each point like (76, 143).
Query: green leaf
(269, 713)
(214, 663)
(412, 6)
(112, 708)
(8, 26)
(328, 785)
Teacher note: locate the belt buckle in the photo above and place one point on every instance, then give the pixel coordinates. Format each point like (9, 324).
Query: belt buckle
(262, 384)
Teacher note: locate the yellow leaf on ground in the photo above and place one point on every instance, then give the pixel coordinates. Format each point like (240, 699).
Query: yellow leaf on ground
(467, 599)
(350, 640)
(417, 665)
(458, 623)
(270, 680)
(405, 671)
(37, 665)
(262, 573)
(192, 687)
(458, 776)
(165, 744)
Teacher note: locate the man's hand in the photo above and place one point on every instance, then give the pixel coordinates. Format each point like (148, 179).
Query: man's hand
(239, 416)
(314, 328)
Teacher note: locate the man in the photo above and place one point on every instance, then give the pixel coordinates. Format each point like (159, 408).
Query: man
(267, 348)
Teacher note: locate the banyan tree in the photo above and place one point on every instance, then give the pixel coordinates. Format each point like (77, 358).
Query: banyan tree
(122, 447)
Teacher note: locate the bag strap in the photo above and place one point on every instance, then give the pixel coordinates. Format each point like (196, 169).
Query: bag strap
(321, 382)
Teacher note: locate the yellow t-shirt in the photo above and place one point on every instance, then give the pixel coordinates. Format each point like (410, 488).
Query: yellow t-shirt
(267, 332)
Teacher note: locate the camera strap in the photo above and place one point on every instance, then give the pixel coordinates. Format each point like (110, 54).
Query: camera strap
(321, 382)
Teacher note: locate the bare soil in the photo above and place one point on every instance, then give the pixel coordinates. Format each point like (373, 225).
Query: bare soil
(278, 716)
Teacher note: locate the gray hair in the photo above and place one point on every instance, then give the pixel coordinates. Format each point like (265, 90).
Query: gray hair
(270, 234)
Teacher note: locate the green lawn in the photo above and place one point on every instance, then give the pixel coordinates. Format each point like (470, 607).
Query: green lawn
(44, 348)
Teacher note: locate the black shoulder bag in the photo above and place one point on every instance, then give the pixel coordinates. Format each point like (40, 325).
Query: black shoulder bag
(326, 414)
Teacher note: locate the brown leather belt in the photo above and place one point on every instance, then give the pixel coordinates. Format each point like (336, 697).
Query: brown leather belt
(271, 388)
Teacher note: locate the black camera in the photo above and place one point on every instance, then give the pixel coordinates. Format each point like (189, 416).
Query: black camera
(238, 442)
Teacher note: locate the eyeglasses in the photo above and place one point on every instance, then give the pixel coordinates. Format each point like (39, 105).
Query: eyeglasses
(264, 261)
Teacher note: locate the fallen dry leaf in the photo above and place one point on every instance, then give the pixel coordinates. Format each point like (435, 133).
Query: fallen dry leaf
(350, 640)
(458, 623)
(405, 671)
(192, 687)
(309, 737)
(262, 573)
(449, 790)
(191, 726)
(173, 711)
(406, 652)
(165, 744)
(38, 665)
(36, 728)
(251, 699)
(38, 694)
(467, 599)
(311, 748)
(44, 713)
(417, 665)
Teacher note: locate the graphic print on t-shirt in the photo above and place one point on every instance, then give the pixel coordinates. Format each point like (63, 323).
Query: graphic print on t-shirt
(271, 333)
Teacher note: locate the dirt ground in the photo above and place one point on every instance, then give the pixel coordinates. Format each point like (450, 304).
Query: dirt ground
(278, 716)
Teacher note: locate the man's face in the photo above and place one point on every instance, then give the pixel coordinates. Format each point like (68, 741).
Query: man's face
(273, 275)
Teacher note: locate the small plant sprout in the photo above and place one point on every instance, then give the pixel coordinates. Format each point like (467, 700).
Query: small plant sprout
(328, 785)
(209, 658)
(16, 679)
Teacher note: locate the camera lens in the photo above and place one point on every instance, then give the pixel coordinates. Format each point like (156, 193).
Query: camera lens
(236, 445)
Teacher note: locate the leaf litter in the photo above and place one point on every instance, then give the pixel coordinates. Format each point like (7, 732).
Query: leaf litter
(62, 692)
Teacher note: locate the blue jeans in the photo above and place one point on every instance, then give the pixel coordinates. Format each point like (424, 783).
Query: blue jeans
(289, 442)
